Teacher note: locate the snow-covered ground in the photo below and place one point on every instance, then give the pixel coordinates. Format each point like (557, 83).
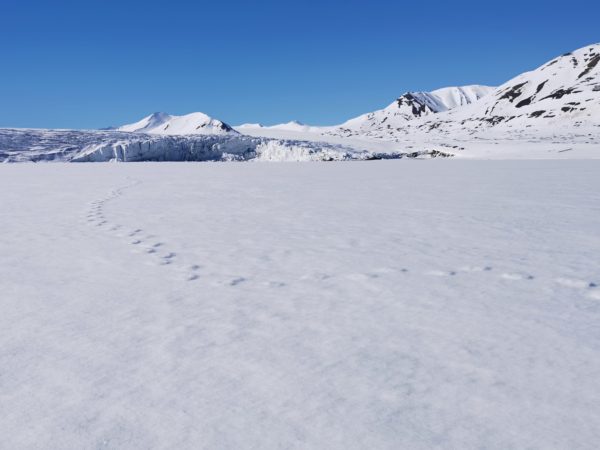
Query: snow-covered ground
(552, 143)
(386, 304)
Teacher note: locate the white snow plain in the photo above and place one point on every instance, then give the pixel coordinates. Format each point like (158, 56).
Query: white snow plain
(382, 305)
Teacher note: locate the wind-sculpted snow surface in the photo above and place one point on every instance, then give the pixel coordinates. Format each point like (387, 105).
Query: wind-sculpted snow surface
(102, 146)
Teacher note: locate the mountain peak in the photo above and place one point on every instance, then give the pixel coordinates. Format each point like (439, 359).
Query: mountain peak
(563, 91)
(413, 105)
(193, 123)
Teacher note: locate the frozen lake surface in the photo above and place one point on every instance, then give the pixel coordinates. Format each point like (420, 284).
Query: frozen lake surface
(381, 305)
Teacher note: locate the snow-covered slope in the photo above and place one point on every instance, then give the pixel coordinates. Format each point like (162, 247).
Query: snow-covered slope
(562, 94)
(289, 127)
(552, 111)
(557, 103)
(409, 106)
(194, 123)
(412, 105)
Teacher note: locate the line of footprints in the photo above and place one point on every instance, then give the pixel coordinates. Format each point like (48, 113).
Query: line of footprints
(146, 243)
(150, 246)
(588, 288)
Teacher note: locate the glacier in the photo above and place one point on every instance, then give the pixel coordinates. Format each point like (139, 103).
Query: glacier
(28, 145)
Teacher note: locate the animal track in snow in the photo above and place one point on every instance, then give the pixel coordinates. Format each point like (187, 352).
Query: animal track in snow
(476, 269)
(362, 276)
(96, 217)
(160, 252)
(167, 259)
(237, 281)
(575, 283)
(516, 276)
(589, 288)
(440, 273)
(193, 272)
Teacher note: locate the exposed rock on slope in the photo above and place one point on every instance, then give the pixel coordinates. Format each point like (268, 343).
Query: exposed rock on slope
(563, 93)
(410, 106)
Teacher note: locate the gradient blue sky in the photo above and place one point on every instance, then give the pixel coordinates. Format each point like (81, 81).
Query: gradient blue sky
(89, 64)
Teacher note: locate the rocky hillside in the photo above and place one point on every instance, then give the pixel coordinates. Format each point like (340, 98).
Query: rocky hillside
(563, 94)
(410, 106)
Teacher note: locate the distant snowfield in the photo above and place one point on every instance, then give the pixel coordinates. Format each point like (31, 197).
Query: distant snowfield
(560, 142)
(387, 304)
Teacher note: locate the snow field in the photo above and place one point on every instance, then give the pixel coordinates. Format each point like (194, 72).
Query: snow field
(387, 304)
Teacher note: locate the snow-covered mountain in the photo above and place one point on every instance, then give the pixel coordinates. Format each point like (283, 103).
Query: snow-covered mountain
(293, 126)
(550, 112)
(413, 105)
(561, 95)
(194, 123)
(409, 106)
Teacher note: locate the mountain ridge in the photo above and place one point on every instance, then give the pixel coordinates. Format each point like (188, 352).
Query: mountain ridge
(556, 103)
(166, 124)
(414, 105)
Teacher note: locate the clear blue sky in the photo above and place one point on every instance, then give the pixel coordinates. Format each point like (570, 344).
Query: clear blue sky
(89, 64)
